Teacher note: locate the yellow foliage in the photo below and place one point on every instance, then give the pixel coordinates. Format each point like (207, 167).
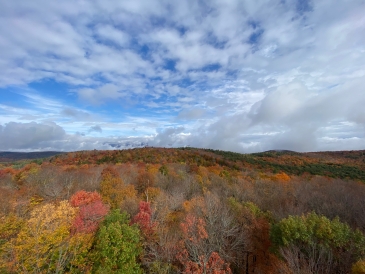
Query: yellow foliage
(34, 201)
(79, 249)
(171, 218)
(44, 240)
(196, 203)
(153, 169)
(359, 267)
(33, 168)
(202, 171)
(215, 169)
(263, 175)
(152, 193)
(10, 226)
(199, 179)
(114, 191)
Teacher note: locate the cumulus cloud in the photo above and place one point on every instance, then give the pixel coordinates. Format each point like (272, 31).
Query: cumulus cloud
(169, 137)
(29, 135)
(235, 75)
(50, 136)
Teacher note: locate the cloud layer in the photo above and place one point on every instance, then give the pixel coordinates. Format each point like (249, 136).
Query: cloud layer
(234, 75)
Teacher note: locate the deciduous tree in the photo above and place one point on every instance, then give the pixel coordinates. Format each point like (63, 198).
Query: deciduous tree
(91, 211)
(314, 243)
(44, 239)
(117, 245)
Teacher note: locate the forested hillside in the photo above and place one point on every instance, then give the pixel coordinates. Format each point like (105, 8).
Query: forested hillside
(6, 156)
(158, 210)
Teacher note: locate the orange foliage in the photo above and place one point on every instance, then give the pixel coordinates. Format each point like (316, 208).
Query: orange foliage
(193, 229)
(264, 261)
(113, 189)
(192, 256)
(145, 179)
(82, 198)
(283, 177)
(7, 170)
(214, 264)
(196, 203)
(215, 169)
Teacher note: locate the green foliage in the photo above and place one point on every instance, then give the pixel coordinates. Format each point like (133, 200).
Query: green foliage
(312, 232)
(162, 268)
(251, 201)
(257, 212)
(260, 160)
(350, 165)
(117, 245)
(38, 161)
(311, 229)
(163, 170)
(238, 209)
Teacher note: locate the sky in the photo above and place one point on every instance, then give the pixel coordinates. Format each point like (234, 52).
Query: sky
(244, 76)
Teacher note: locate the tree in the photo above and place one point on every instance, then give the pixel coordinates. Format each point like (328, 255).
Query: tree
(117, 245)
(213, 265)
(82, 198)
(113, 190)
(164, 170)
(143, 219)
(42, 243)
(9, 228)
(314, 243)
(196, 255)
(89, 217)
(45, 182)
(91, 211)
(144, 180)
(148, 231)
(358, 267)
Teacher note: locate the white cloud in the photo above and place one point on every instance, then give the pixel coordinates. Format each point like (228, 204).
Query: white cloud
(230, 74)
(28, 135)
(111, 34)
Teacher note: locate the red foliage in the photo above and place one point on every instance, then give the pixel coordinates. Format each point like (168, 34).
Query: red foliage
(89, 217)
(143, 219)
(214, 265)
(194, 232)
(193, 229)
(91, 212)
(82, 198)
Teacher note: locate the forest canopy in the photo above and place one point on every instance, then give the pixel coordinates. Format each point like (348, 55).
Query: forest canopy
(186, 210)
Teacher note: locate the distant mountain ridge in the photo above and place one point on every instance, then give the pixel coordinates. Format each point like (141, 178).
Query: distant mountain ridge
(6, 156)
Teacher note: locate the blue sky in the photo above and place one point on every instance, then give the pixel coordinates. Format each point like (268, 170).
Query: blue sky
(244, 76)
